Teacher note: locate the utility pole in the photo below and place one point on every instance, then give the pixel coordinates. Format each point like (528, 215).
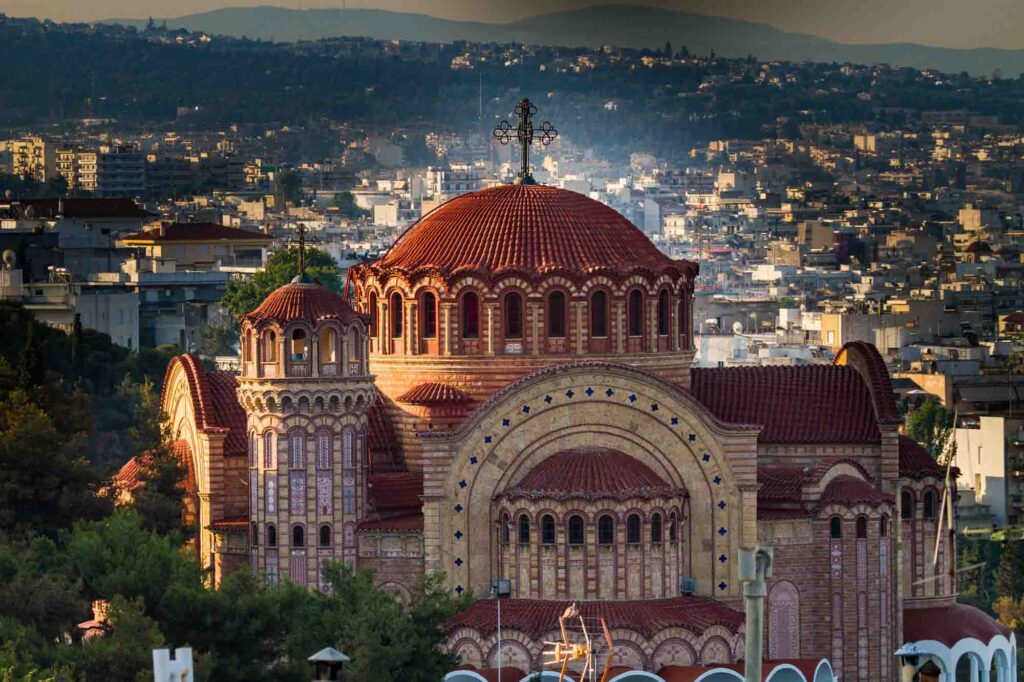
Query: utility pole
(755, 566)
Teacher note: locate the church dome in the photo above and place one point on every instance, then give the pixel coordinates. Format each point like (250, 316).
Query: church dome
(532, 229)
(301, 301)
(591, 473)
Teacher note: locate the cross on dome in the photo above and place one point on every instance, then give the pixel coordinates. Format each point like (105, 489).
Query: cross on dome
(524, 134)
(301, 277)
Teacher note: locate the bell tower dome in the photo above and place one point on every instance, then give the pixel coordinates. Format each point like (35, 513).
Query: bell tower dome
(306, 388)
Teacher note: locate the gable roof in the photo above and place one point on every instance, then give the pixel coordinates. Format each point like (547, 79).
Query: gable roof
(195, 232)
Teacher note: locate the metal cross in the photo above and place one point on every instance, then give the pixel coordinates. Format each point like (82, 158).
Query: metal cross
(302, 250)
(524, 133)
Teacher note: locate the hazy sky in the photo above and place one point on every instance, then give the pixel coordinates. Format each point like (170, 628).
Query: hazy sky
(951, 23)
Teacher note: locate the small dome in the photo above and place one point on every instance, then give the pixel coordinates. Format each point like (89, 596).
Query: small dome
(526, 228)
(302, 301)
(591, 473)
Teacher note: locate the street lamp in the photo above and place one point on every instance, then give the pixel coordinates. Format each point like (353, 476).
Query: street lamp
(501, 588)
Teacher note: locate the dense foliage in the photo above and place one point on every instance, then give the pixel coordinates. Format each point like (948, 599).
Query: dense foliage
(64, 546)
(244, 295)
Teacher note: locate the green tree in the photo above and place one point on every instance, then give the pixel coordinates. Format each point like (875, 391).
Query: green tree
(31, 371)
(931, 425)
(125, 653)
(218, 339)
(243, 296)
(1010, 571)
(287, 187)
(346, 203)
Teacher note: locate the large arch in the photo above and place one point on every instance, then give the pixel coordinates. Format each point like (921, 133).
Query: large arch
(597, 405)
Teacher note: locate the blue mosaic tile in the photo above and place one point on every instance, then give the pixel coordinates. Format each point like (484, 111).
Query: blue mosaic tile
(722, 531)
(458, 535)
(526, 409)
(721, 505)
(458, 509)
(589, 391)
(717, 479)
(693, 437)
(654, 407)
(632, 397)
(548, 399)
(462, 483)
(487, 439)
(722, 586)
(473, 459)
(460, 589)
(458, 561)
(505, 422)
(609, 393)
(569, 393)
(706, 457)
(675, 421)
(722, 558)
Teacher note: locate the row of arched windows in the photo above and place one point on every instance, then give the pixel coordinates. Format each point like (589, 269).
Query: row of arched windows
(297, 347)
(575, 529)
(297, 449)
(928, 509)
(836, 527)
(512, 314)
(298, 538)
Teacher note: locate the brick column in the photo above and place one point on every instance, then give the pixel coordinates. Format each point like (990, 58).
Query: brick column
(535, 308)
(447, 328)
(491, 307)
(411, 346)
(618, 324)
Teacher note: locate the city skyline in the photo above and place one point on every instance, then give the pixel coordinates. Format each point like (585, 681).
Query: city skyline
(989, 23)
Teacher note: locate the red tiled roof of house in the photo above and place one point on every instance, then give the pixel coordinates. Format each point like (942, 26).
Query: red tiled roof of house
(532, 229)
(948, 624)
(782, 481)
(591, 473)
(432, 393)
(400, 490)
(403, 523)
(794, 404)
(196, 232)
(538, 617)
(848, 491)
(129, 477)
(306, 301)
(83, 207)
(240, 525)
(916, 462)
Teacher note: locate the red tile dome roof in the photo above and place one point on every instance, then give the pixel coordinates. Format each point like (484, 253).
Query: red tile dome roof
(302, 301)
(591, 473)
(530, 229)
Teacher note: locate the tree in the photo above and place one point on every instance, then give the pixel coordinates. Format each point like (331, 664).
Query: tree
(243, 296)
(30, 363)
(287, 187)
(1010, 571)
(346, 203)
(218, 339)
(931, 425)
(125, 653)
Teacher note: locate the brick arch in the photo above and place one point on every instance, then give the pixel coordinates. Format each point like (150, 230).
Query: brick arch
(716, 650)
(673, 651)
(629, 652)
(645, 417)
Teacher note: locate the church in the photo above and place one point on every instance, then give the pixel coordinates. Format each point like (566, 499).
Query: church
(509, 393)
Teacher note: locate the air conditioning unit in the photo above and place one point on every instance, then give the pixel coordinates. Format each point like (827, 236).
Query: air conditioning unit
(687, 585)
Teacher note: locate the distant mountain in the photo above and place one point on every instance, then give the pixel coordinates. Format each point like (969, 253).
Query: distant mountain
(621, 25)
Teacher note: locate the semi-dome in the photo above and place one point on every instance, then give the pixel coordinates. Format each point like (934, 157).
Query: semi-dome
(305, 301)
(529, 229)
(591, 473)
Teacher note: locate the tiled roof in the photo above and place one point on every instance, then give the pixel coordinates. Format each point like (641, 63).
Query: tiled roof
(533, 229)
(537, 617)
(302, 301)
(591, 473)
(794, 404)
(432, 393)
(240, 525)
(83, 207)
(865, 358)
(196, 232)
(128, 478)
(781, 482)
(396, 491)
(849, 491)
(948, 624)
(916, 462)
(381, 437)
(404, 523)
(214, 400)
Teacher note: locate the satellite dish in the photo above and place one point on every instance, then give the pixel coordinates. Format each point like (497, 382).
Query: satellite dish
(737, 327)
(10, 260)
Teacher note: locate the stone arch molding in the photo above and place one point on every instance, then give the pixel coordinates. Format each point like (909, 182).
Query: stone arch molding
(177, 402)
(589, 404)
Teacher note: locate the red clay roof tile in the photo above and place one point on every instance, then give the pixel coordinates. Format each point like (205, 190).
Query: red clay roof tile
(403, 523)
(302, 301)
(849, 491)
(591, 473)
(400, 490)
(432, 393)
(800, 404)
(537, 617)
(197, 232)
(916, 462)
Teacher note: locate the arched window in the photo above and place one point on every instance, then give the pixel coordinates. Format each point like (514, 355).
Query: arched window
(633, 529)
(297, 450)
(673, 533)
(928, 505)
(269, 461)
(636, 313)
(470, 316)
(298, 345)
(862, 527)
(397, 315)
(328, 346)
(323, 450)
(683, 316)
(524, 529)
(504, 529)
(428, 305)
(325, 535)
(513, 316)
(663, 313)
(298, 536)
(605, 530)
(374, 312)
(906, 505)
(271, 535)
(556, 315)
(883, 527)
(575, 530)
(547, 529)
(253, 446)
(255, 535)
(247, 347)
(599, 314)
(355, 346)
(270, 347)
(656, 527)
(836, 528)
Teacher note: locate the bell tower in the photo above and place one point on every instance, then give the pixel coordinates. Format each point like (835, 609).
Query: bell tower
(306, 390)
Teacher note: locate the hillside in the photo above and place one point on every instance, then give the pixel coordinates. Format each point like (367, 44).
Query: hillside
(621, 25)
